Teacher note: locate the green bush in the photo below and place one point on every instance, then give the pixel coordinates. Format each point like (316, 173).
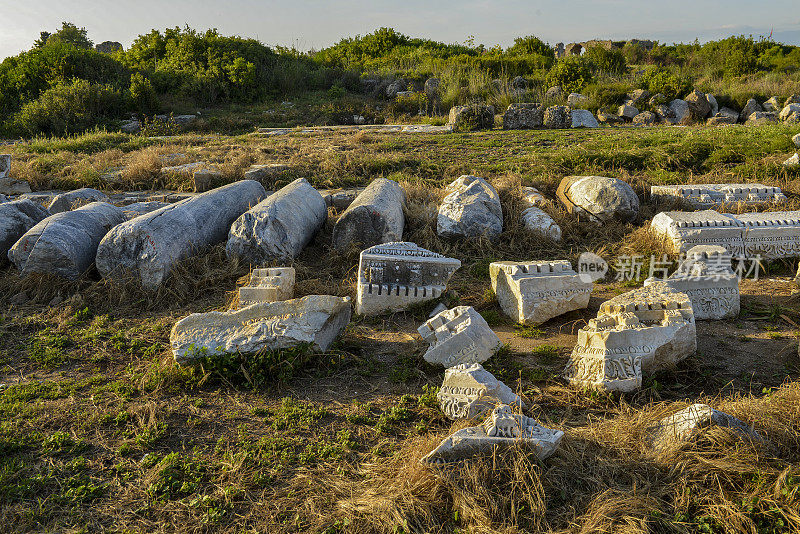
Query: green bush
(658, 80)
(571, 73)
(606, 61)
(143, 96)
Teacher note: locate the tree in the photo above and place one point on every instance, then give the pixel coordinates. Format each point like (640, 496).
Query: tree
(71, 34)
(42, 40)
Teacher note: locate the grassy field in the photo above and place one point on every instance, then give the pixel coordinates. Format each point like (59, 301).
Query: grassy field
(101, 431)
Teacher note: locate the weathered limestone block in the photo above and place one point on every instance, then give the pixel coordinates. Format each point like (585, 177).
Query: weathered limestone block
(471, 117)
(608, 118)
(502, 429)
(599, 198)
(184, 170)
(315, 319)
(791, 113)
(687, 424)
(705, 275)
(771, 235)
(470, 209)
(582, 118)
(557, 117)
(458, 336)
(532, 293)
(793, 161)
(393, 276)
(533, 196)
(537, 220)
(148, 246)
(772, 104)
(66, 201)
(684, 230)
(280, 226)
(702, 196)
(469, 391)
(268, 285)
(136, 209)
(16, 218)
(374, 217)
(206, 179)
(576, 99)
(523, 115)
(65, 244)
(641, 331)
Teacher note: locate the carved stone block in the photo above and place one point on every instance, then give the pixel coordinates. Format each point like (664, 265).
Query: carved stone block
(703, 196)
(771, 235)
(458, 336)
(470, 390)
(684, 230)
(268, 285)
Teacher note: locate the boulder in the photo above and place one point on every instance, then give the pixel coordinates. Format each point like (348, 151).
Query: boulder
(557, 117)
(582, 118)
(772, 104)
(751, 107)
(130, 127)
(793, 161)
(374, 217)
(790, 113)
(206, 180)
(758, 118)
(16, 218)
(599, 198)
(184, 121)
(12, 186)
(712, 101)
(470, 209)
(639, 97)
(794, 99)
(796, 140)
(432, 87)
(268, 285)
(65, 244)
(699, 106)
(79, 197)
(538, 221)
(554, 93)
(519, 83)
(724, 116)
(688, 423)
(576, 99)
(458, 336)
(680, 108)
(3, 198)
(645, 118)
(279, 227)
(469, 391)
(627, 111)
(316, 320)
(148, 246)
(472, 117)
(666, 114)
(523, 115)
(608, 118)
(658, 99)
(266, 173)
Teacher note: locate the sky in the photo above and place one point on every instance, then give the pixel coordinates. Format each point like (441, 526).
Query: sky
(308, 24)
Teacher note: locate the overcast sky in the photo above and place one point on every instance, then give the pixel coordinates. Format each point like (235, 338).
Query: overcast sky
(315, 24)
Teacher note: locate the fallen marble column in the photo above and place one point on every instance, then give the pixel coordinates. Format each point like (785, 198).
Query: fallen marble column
(280, 226)
(315, 319)
(65, 244)
(268, 285)
(532, 293)
(136, 209)
(703, 196)
(641, 331)
(469, 391)
(684, 230)
(458, 336)
(708, 280)
(393, 276)
(16, 218)
(374, 217)
(470, 209)
(687, 423)
(148, 246)
(66, 201)
(502, 429)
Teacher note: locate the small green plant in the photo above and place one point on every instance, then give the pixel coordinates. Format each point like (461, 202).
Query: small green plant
(531, 332)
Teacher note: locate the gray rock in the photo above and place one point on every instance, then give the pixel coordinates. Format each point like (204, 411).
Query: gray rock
(609, 118)
(12, 186)
(66, 201)
(522, 116)
(639, 96)
(206, 180)
(576, 99)
(790, 113)
(3, 198)
(539, 221)
(796, 140)
(16, 218)
(679, 108)
(557, 117)
(728, 114)
(599, 198)
(395, 87)
(712, 101)
(266, 173)
(658, 99)
(186, 169)
(280, 226)
(184, 120)
(665, 114)
(793, 161)
(130, 127)
(687, 424)
(645, 118)
(698, 104)
(582, 118)
(751, 107)
(65, 244)
(136, 209)
(472, 117)
(471, 209)
(432, 86)
(761, 117)
(148, 246)
(519, 83)
(794, 99)
(772, 104)
(554, 92)
(627, 111)
(374, 217)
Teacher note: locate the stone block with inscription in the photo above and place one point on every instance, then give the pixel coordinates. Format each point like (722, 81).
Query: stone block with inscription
(458, 336)
(534, 292)
(705, 275)
(641, 331)
(503, 428)
(771, 235)
(393, 276)
(702, 196)
(268, 285)
(315, 319)
(684, 230)
(469, 390)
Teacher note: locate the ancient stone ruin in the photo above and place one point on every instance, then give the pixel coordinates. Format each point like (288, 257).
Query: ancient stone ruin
(68, 201)
(393, 276)
(469, 391)
(374, 217)
(458, 336)
(686, 424)
(268, 285)
(16, 218)
(704, 196)
(598, 198)
(470, 209)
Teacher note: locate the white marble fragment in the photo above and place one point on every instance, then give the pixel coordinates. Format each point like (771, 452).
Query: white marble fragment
(701, 196)
(502, 429)
(470, 209)
(539, 221)
(315, 319)
(268, 285)
(793, 161)
(641, 331)
(458, 336)
(532, 293)
(374, 217)
(469, 390)
(393, 276)
(687, 423)
(684, 230)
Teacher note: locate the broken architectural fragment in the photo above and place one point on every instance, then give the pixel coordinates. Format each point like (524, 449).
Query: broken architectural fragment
(470, 209)
(534, 292)
(536, 219)
(65, 244)
(469, 391)
(502, 429)
(684, 230)
(598, 198)
(71, 199)
(772, 235)
(705, 275)
(374, 217)
(280, 226)
(393, 276)
(458, 336)
(315, 319)
(268, 285)
(148, 246)
(703, 196)
(16, 218)
(641, 331)
(687, 423)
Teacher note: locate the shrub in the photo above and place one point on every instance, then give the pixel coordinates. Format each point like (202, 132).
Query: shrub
(571, 73)
(658, 80)
(606, 61)
(143, 96)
